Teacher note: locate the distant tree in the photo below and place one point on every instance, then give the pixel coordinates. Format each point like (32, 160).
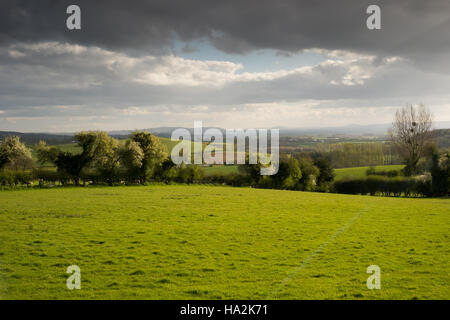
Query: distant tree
(106, 156)
(426, 164)
(278, 179)
(87, 141)
(68, 163)
(14, 154)
(326, 172)
(252, 172)
(4, 159)
(295, 174)
(310, 173)
(131, 156)
(410, 132)
(188, 173)
(166, 171)
(153, 152)
(440, 174)
(288, 175)
(71, 164)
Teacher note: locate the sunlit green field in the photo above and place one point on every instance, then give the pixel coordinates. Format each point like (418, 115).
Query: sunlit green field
(359, 172)
(220, 169)
(356, 172)
(201, 242)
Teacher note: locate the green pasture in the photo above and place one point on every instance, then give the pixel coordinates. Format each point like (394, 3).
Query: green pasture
(360, 172)
(220, 169)
(209, 242)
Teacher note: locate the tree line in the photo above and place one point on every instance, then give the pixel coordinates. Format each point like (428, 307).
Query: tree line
(139, 159)
(434, 181)
(427, 169)
(305, 174)
(142, 158)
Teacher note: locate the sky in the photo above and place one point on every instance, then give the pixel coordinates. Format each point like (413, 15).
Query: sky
(231, 64)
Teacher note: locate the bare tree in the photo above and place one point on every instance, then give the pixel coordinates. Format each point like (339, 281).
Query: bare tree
(411, 130)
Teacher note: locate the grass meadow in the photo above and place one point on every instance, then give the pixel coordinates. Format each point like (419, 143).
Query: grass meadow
(209, 242)
(360, 172)
(220, 169)
(355, 172)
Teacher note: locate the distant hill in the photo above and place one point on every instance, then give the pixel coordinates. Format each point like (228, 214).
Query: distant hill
(349, 130)
(50, 138)
(34, 138)
(442, 138)
(442, 135)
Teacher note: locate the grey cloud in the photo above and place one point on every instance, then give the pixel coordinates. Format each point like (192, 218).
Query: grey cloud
(410, 28)
(53, 76)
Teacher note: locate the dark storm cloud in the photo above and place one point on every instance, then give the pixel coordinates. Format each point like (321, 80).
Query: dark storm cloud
(412, 28)
(120, 65)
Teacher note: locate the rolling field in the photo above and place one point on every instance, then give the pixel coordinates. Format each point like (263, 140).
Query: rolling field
(219, 169)
(205, 242)
(355, 172)
(360, 172)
